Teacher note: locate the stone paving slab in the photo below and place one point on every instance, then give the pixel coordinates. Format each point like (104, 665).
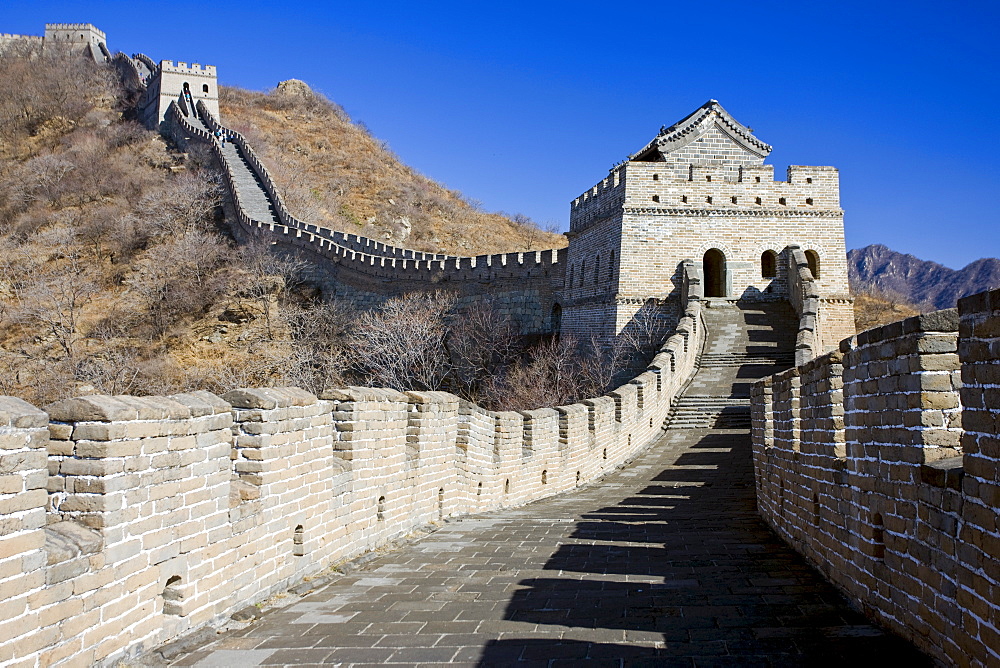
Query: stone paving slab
(665, 563)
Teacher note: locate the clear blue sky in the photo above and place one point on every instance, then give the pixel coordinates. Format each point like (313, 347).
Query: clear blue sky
(524, 105)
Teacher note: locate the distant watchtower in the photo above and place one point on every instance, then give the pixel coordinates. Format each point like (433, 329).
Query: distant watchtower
(79, 35)
(700, 190)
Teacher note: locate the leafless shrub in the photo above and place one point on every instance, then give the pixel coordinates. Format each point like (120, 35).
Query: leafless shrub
(45, 86)
(320, 355)
(548, 376)
(481, 344)
(178, 277)
(115, 370)
(402, 344)
(266, 275)
(54, 301)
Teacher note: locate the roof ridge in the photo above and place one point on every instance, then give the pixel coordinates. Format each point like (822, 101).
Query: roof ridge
(680, 132)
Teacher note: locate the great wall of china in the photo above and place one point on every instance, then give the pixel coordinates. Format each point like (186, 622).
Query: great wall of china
(129, 522)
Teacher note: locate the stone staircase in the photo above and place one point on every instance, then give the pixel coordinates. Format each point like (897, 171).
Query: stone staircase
(707, 412)
(253, 197)
(741, 358)
(745, 342)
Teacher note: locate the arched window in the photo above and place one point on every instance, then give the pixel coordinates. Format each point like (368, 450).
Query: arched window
(583, 272)
(714, 270)
(204, 88)
(812, 257)
(768, 264)
(611, 266)
(597, 269)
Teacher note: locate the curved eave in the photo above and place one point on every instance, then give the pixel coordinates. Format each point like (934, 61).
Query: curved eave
(709, 115)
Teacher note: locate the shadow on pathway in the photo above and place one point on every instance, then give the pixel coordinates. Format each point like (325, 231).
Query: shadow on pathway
(692, 576)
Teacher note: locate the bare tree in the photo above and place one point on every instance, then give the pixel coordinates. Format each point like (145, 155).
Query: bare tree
(402, 344)
(55, 300)
(319, 355)
(481, 344)
(549, 376)
(266, 275)
(115, 370)
(178, 277)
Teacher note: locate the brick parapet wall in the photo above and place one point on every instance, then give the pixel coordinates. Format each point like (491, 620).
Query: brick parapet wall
(824, 319)
(879, 463)
(365, 255)
(979, 531)
(129, 521)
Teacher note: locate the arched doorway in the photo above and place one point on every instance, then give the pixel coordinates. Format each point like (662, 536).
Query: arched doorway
(714, 271)
(768, 264)
(556, 319)
(812, 257)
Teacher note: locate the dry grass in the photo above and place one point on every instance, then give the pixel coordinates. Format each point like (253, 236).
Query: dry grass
(874, 310)
(117, 275)
(332, 172)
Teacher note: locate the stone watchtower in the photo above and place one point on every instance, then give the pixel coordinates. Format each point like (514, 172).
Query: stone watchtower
(85, 36)
(170, 81)
(700, 190)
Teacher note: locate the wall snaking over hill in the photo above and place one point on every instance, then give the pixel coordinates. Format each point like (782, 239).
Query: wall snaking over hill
(880, 463)
(364, 271)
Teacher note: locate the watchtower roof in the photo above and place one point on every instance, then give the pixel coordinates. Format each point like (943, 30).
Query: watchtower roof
(708, 116)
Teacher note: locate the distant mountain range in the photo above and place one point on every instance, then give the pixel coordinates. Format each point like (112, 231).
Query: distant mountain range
(925, 284)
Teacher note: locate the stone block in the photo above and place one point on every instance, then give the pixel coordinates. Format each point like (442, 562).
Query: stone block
(93, 408)
(20, 414)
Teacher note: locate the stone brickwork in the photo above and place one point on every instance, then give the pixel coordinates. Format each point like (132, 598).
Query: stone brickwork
(701, 186)
(879, 462)
(130, 521)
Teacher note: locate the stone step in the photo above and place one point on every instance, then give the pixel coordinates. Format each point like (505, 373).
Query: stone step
(707, 411)
(253, 197)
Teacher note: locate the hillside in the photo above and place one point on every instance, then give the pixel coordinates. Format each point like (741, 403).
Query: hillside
(925, 284)
(119, 276)
(334, 173)
(874, 310)
(115, 273)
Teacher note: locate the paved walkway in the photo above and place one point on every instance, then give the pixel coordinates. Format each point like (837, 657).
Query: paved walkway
(664, 563)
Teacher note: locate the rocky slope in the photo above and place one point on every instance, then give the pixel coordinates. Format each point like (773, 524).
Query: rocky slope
(925, 284)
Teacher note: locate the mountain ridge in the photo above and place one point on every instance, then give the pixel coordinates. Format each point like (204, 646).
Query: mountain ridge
(926, 284)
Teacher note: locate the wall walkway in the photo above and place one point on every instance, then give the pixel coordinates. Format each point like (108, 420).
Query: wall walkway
(130, 521)
(664, 562)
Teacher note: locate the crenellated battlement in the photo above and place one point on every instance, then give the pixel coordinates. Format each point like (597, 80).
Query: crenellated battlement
(600, 201)
(751, 187)
(75, 26)
(397, 269)
(74, 32)
(194, 69)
